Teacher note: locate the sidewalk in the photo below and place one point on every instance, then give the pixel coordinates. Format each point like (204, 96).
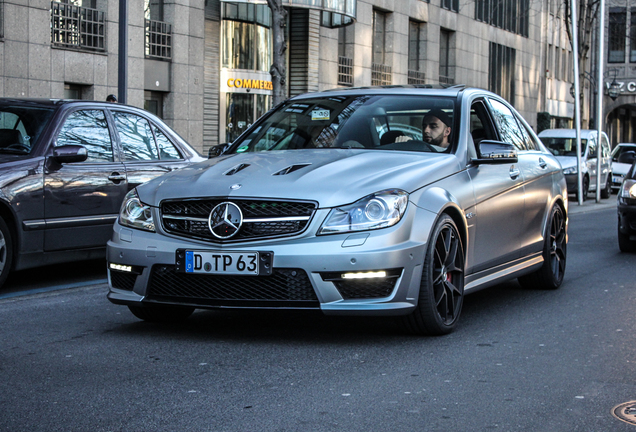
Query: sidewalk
(590, 204)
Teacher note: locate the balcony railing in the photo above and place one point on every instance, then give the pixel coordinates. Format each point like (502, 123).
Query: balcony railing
(417, 77)
(345, 71)
(381, 74)
(77, 27)
(158, 40)
(446, 80)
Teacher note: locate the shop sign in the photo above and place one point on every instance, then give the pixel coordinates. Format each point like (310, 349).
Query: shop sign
(624, 86)
(235, 81)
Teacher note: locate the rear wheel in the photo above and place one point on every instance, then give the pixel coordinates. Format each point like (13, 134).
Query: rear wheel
(161, 313)
(607, 190)
(6, 252)
(550, 275)
(442, 285)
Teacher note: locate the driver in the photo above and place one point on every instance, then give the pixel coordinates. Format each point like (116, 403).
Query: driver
(436, 129)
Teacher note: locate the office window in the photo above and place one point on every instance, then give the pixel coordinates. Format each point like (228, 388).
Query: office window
(511, 15)
(617, 33)
(632, 37)
(501, 78)
(446, 60)
(452, 5)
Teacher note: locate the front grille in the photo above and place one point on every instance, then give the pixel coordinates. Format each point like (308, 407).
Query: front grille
(261, 218)
(283, 288)
(365, 288)
(122, 280)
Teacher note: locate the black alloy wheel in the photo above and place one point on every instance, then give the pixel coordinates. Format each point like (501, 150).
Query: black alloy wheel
(442, 287)
(550, 275)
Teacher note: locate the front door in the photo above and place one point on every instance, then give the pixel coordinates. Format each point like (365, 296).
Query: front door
(82, 200)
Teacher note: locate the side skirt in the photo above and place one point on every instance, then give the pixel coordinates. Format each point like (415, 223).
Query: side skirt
(503, 272)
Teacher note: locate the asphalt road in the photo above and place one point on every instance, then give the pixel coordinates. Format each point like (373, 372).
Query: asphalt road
(519, 361)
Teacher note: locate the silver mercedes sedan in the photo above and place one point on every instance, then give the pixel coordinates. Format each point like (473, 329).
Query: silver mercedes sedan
(374, 201)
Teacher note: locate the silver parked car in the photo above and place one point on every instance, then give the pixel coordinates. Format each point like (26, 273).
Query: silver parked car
(323, 204)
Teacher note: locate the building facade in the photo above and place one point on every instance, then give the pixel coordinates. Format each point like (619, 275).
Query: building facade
(203, 65)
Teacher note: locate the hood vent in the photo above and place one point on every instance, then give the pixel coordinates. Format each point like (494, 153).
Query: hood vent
(236, 169)
(290, 169)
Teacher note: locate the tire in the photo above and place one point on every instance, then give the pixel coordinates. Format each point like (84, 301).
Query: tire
(161, 313)
(586, 187)
(6, 252)
(550, 275)
(607, 190)
(624, 243)
(442, 286)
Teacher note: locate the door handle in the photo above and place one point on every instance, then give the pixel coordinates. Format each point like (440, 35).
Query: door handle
(116, 177)
(542, 163)
(514, 172)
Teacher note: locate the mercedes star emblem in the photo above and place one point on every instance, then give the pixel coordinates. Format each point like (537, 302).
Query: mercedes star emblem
(225, 220)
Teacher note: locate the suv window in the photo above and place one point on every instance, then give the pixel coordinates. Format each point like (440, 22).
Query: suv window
(167, 150)
(136, 137)
(88, 128)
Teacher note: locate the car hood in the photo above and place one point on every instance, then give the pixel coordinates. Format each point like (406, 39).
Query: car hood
(329, 176)
(620, 168)
(566, 161)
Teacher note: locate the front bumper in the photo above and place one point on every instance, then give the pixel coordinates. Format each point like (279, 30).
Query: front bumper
(306, 271)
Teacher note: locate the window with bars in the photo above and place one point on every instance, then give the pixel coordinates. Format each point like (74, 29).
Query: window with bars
(511, 15)
(416, 53)
(616, 36)
(501, 79)
(158, 40)
(446, 60)
(77, 27)
(381, 73)
(345, 71)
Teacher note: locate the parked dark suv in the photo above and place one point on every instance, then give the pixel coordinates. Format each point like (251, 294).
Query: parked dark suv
(65, 167)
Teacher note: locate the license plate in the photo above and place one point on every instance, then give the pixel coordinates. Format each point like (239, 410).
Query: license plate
(247, 263)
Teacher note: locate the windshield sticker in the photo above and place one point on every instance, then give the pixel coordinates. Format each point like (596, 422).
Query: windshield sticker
(320, 114)
(242, 149)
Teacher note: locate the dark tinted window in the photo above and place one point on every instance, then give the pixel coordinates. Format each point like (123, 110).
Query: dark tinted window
(20, 127)
(136, 137)
(88, 128)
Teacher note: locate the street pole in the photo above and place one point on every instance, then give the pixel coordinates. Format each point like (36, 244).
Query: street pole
(122, 72)
(599, 97)
(577, 98)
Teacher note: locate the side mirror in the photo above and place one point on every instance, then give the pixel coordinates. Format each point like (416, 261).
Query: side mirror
(496, 152)
(217, 150)
(627, 157)
(69, 154)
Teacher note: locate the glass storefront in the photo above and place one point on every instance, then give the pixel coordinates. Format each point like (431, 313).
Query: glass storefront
(245, 62)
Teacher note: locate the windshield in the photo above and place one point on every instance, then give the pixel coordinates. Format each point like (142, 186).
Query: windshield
(20, 127)
(371, 122)
(563, 146)
(621, 150)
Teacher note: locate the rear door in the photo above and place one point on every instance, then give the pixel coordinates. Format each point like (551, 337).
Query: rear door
(82, 200)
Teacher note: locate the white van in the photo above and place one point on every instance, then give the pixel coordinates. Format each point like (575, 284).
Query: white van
(562, 143)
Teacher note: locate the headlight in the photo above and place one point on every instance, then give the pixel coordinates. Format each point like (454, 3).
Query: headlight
(570, 170)
(379, 210)
(628, 189)
(135, 214)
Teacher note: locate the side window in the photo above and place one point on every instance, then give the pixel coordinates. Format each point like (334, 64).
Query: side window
(591, 149)
(88, 128)
(606, 146)
(135, 137)
(507, 124)
(167, 150)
